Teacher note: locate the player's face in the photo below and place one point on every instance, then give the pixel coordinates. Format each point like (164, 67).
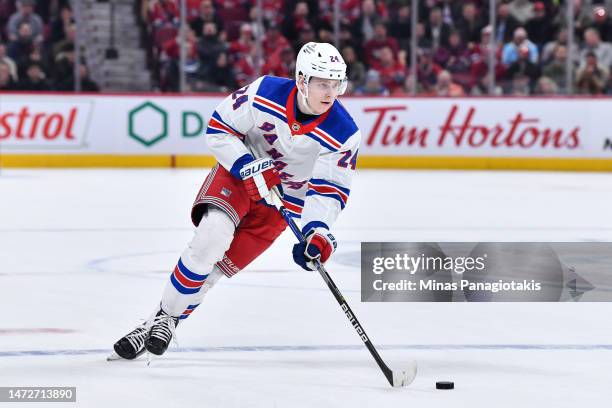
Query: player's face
(322, 93)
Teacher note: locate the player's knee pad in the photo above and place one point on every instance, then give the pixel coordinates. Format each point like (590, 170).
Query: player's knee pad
(212, 238)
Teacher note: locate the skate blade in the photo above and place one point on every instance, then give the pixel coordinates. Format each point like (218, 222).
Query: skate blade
(114, 357)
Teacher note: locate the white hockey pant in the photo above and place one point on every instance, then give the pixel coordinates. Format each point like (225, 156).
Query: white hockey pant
(195, 272)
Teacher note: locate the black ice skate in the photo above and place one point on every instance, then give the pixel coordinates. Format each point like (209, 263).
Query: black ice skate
(161, 333)
(131, 345)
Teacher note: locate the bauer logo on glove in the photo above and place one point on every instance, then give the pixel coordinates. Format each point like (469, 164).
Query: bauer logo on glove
(259, 177)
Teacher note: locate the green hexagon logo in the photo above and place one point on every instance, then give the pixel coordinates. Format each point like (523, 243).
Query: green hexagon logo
(148, 123)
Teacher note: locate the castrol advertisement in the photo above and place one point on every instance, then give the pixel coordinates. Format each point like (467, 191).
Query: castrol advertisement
(33, 124)
(412, 127)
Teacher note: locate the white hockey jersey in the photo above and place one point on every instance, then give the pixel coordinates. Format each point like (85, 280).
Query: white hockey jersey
(316, 160)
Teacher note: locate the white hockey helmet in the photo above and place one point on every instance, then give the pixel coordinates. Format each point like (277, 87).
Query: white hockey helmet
(321, 60)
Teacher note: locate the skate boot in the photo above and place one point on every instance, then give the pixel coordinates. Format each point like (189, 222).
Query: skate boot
(132, 344)
(161, 333)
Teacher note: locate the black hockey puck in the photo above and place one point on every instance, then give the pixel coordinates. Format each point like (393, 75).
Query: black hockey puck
(445, 385)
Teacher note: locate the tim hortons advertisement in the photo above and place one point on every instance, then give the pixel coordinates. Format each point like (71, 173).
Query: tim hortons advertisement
(480, 127)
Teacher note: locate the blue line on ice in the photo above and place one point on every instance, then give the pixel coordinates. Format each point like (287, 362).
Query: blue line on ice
(74, 352)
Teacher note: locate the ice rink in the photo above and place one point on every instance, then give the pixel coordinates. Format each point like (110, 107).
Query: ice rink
(85, 254)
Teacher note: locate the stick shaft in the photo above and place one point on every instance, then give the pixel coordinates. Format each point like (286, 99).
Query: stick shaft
(341, 301)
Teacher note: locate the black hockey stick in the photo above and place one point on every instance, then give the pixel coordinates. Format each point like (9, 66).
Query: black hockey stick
(395, 378)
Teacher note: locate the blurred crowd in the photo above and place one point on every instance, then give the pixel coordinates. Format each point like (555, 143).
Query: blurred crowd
(453, 44)
(37, 47)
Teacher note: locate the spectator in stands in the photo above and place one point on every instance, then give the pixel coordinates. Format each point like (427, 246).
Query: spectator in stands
(274, 41)
(363, 27)
(355, 69)
(400, 26)
(243, 46)
(307, 34)
(427, 71)
(207, 14)
(7, 83)
(297, 21)
(582, 17)
(272, 11)
(392, 72)
(479, 58)
(593, 44)
(283, 65)
(523, 67)
(556, 69)
(372, 86)
(469, 24)
(549, 49)
(34, 80)
(8, 61)
(25, 14)
(347, 40)
(209, 47)
(258, 32)
(546, 86)
(519, 86)
(233, 11)
(325, 33)
(592, 77)
(521, 10)
(169, 61)
(378, 42)
(165, 13)
(37, 55)
(455, 58)
(64, 64)
(602, 23)
(510, 52)
(505, 24)
(66, 84)
(7, 8)
(540, 28)
(22, 46)
(222, 78)
(481, 87)
(242, 55)
(407, 87)
(48, 9)
(67, 40)
(192, 8)
(437, 31)
(60, 25)
(446, 87)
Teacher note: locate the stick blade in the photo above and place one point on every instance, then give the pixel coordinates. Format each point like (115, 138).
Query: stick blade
(405, 377)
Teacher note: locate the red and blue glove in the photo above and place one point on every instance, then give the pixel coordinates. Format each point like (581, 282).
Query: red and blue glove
(259, 177)
(320, 244)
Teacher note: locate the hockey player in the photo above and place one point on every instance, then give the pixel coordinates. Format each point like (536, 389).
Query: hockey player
(275, 132)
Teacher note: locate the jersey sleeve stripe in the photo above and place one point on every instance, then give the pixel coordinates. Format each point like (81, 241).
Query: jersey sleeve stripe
(270, 111)
(272, 105)
(329, 194)
(323, 182)
(293, 200)
(322, 142)
(328, 190)
(220, 120)
(327, 138)
(215, 124)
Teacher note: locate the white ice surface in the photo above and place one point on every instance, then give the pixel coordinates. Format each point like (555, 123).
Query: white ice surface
(86, 253)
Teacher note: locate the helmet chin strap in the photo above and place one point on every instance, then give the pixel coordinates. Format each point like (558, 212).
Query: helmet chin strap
(304, 97)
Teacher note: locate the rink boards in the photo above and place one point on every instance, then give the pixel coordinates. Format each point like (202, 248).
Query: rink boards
(151, 130)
